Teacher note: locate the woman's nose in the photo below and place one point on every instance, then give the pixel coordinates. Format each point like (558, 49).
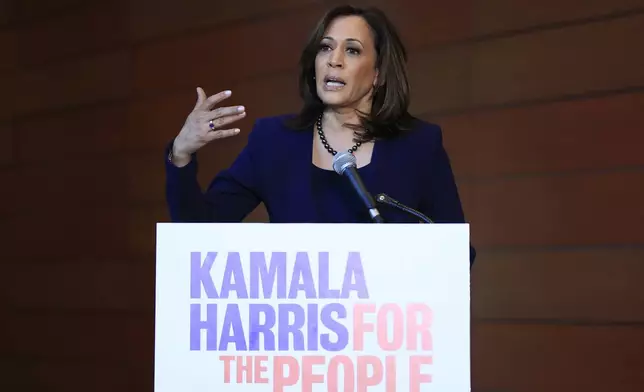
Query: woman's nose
(336, 60)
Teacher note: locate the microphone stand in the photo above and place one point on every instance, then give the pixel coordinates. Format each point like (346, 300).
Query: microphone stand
(383, 198)
(344, 164)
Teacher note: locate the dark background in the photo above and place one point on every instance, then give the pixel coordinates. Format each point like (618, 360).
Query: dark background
(542, 107)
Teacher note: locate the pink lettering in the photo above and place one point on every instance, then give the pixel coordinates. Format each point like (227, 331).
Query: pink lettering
(280, 379)
(415, 376)
(359, 326)
(349, 379)
(364, 380)
(308, 377)
(227, 359)
(390, 373)
(420, 328)
(398, 319)
(260, 370)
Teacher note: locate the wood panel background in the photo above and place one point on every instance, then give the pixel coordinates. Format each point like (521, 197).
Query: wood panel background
(542, 106)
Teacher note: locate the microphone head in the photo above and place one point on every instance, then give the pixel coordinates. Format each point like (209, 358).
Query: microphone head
(342, 161)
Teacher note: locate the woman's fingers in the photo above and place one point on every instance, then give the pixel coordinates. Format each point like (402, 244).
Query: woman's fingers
(226, 115)
(210, 102)
(204, 123)
(224, 112)
(220, 122)
(201, 98)
(221, 134)
(213, 119)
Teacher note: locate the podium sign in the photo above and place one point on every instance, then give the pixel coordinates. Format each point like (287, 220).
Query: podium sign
(312, 307)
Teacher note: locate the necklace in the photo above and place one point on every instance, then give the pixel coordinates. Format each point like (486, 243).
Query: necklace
(325, 143)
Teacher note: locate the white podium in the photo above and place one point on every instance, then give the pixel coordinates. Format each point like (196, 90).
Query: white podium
(312, 307)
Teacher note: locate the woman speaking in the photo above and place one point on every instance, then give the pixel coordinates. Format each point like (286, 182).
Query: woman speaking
(355, 91)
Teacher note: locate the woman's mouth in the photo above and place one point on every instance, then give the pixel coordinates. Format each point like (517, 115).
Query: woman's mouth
(332, 83)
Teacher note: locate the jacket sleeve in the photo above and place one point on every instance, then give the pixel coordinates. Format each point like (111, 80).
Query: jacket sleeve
(442, 202)
(230, 197)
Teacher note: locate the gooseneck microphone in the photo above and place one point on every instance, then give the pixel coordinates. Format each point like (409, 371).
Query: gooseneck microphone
(386, 199)
(344, 163)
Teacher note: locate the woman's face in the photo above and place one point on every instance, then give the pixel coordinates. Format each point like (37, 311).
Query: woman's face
(345, 66)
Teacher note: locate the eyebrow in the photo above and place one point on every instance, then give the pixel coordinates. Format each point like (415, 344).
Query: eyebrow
(348, 39)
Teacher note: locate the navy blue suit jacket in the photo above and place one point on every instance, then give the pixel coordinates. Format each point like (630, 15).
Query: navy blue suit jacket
(275, 167)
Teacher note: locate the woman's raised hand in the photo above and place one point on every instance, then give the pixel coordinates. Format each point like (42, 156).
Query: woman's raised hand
(205, 124)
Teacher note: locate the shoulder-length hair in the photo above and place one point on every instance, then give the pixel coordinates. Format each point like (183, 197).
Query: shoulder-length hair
(389, 114)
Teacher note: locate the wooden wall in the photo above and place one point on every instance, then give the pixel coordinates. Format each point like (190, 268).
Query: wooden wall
(541, 102)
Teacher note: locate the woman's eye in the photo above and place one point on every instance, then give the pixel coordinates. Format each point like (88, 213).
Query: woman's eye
(353, 51)
(324, 47)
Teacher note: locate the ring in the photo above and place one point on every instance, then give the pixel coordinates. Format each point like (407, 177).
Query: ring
(211, 125)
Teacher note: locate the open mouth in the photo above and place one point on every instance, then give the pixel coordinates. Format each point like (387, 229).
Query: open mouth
(334, 82)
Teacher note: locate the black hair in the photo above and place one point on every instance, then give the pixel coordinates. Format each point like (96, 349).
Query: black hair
(389, 110)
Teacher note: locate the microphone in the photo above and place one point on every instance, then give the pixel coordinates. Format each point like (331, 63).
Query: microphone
(386, 199)
(344, 163)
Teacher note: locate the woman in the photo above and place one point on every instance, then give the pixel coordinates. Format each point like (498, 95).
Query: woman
(354, 85)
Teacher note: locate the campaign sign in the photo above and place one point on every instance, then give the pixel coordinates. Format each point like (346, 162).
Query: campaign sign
(312, 307)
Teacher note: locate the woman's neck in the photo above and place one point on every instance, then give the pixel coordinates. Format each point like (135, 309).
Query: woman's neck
(334, 119)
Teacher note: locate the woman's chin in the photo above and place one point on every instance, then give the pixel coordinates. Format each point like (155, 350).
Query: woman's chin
(333, 99)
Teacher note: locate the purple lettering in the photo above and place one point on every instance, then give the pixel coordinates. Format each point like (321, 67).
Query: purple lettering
(335, 326)
(232, 330)
(354, 270)
(257, 327)
(233, 278)
(200, 275)
(302, 278)
(323, 274)
(286, 328)
(268, 276)
(196, 325)
(312, 333)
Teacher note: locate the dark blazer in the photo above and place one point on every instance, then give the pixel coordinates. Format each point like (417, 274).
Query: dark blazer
(275, 167)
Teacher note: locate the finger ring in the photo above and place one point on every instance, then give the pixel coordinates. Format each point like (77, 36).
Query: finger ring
(211, 125)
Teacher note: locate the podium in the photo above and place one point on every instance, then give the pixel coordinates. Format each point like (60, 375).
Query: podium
(312, 307)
